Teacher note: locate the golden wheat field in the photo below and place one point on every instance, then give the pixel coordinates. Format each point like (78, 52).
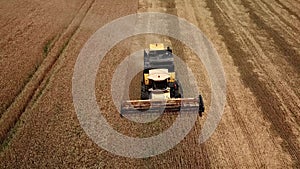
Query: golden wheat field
(259, 47)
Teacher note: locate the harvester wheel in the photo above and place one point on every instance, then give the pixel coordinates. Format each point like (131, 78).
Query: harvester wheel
(177, 94)
(201, 106)
(144, 95)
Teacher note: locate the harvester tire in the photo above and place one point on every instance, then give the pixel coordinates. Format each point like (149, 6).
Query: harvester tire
(144, 95)
(201, 105)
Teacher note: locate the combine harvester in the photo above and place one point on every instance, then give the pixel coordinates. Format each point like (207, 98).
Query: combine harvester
(160, 90)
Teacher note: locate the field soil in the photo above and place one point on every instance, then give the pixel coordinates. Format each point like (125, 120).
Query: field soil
(258, 45)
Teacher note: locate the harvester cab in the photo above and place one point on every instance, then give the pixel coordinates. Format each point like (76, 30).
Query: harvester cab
(159, 89)
(159, 86)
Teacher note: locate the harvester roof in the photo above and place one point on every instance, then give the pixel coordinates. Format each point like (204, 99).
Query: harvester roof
(158, 74)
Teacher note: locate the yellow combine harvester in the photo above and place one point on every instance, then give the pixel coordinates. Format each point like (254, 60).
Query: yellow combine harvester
(160, 90)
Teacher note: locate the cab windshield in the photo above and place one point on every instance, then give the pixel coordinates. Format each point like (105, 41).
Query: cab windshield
(160, 85)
